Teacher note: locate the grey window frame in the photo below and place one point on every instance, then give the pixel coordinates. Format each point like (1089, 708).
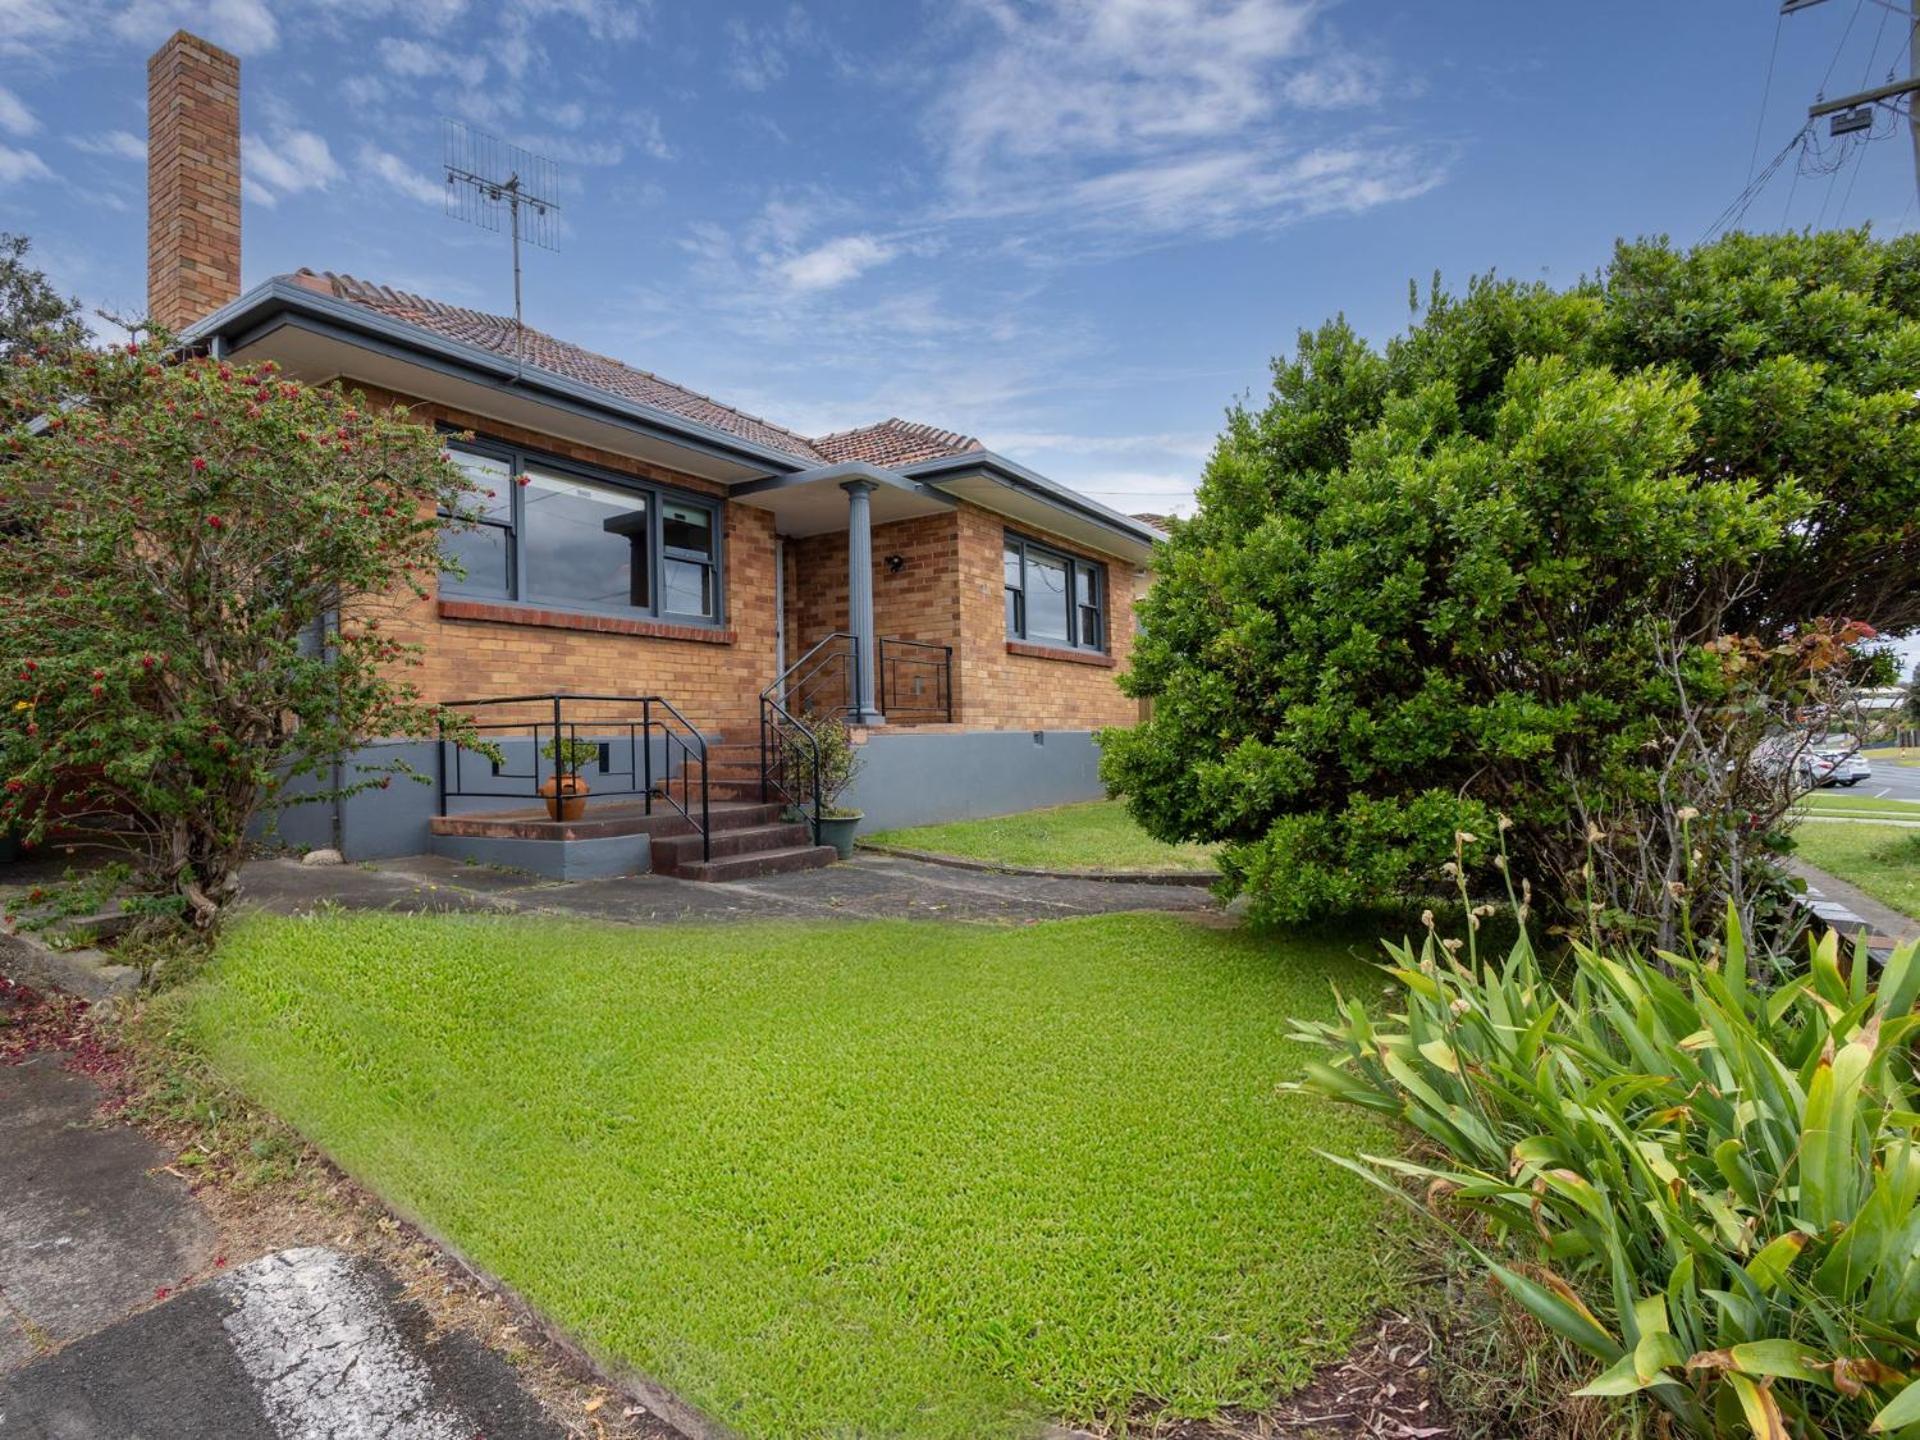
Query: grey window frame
(1076, 566)
(519, 460)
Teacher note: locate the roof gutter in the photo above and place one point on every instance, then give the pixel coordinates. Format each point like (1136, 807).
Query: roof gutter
(1017, 477)
(840, 474)
(266, 307)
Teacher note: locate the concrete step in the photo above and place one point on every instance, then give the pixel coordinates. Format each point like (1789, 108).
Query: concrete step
(673, 853)
(627, 817)
(760, 862)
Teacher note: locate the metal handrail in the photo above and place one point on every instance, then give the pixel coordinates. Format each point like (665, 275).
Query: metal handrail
(785, 682)
(773, 756)
(692, 747)
(941, 667)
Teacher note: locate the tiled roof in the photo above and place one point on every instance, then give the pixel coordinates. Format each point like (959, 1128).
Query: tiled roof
(1158, 522)
(496, 333)
(894, 442)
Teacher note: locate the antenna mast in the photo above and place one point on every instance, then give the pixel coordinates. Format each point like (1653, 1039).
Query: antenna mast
(488, 178)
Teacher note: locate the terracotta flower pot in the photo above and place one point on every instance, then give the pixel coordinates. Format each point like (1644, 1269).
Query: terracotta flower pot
(566, 796)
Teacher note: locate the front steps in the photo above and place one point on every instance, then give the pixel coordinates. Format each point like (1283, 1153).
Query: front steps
(749, 838)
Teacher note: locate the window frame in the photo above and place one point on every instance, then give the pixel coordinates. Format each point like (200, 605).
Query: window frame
(1076, 566)
(520, 459)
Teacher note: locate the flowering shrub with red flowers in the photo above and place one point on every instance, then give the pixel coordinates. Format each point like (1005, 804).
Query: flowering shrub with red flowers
(195, 560)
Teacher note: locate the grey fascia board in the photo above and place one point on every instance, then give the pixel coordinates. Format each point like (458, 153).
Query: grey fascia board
(251, 312)
(1018, 477)
(838, 475)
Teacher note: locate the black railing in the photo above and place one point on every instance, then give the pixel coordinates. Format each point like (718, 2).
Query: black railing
(825, 681)
(915, 680)
(624, 764)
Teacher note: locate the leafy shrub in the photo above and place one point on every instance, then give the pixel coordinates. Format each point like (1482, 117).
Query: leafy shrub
(838, 764)
(570, 755)
(196, 562)
(1716, 1182)
(1481, 567)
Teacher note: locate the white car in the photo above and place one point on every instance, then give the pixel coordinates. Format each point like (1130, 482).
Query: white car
(1836, 761)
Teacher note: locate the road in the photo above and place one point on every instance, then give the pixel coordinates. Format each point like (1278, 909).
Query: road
(1889, 782)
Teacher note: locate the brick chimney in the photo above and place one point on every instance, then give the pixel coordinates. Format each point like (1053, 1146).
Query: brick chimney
(193, 180)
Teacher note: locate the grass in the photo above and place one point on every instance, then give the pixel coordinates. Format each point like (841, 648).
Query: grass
(1097, 835)
(850, 1180)
(1826, 802)
(1883, 860)
(1894, 754)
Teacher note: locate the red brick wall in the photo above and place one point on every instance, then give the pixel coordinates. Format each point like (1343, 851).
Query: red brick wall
(1009, 686)
(478, 649)
(193, 180)
(948, 592)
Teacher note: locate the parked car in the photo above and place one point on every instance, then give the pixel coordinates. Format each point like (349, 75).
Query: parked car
(1836, 760)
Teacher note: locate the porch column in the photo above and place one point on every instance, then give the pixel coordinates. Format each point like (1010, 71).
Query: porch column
(860, 597)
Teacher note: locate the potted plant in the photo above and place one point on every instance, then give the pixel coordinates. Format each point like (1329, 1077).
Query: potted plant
(839, 762)
(566, 793)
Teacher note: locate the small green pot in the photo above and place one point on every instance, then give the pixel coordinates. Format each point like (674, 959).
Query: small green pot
(837, 831)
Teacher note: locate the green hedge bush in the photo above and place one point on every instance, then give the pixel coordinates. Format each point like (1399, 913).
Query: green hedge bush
(1706, 1184)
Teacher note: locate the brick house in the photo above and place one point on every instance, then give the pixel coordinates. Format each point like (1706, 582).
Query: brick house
(967, 614)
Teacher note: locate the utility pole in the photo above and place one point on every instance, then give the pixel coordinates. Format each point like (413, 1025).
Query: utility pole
(1854, 112)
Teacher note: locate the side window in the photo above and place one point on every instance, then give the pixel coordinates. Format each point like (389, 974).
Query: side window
(483, 547)
(1053, 598)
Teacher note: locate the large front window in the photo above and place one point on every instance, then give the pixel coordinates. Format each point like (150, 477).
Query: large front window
(1054, 598)
(551, 534)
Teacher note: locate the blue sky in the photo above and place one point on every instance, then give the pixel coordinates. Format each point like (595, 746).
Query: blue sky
(1075, 228)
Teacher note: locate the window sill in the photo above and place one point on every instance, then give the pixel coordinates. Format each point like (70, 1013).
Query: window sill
(1052, 652)
(512, 613)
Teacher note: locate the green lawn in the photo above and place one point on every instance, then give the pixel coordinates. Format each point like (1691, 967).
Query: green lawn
(1883, 860)
(846, 1180)
(1098, 835)
(1827, 802)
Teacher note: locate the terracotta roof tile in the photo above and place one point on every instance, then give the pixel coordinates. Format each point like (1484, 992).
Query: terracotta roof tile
(496, 333)
(895, 442)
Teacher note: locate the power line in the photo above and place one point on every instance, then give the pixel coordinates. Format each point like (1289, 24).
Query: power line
(1737, 207)
(1766, 94)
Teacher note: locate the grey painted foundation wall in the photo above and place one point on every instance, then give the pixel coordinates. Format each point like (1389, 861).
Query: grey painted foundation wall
(906, 777)
(921, 778)
(379, 824)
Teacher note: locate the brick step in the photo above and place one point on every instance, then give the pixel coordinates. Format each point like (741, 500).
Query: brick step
(673, 853)
(734, 772)
(600, 822)
(760, 862)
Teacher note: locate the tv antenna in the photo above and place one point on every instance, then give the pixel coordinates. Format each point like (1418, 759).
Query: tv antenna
(488, 179)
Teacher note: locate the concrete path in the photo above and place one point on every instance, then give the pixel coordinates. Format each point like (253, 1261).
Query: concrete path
(119, 1322)
(867, 887)
(1884, 919)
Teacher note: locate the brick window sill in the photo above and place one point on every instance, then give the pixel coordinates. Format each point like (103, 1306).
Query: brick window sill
(511, 614)
(1050, 652)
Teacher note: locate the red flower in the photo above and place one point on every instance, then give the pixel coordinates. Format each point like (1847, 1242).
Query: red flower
(146, 662)
(99, 691)
(16, 785)
(523, 479)
(226, 372)
(160, 1292)
(385, 781)
(215, 521)
(199, 464)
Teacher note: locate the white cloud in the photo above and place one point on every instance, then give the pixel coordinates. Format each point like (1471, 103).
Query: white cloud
(385, 165)
(15, 117)
(834, 263)
(246, 27)
(1164, 116)
(18, 165)
(291, 163)
(415, 60)
(29, 27)
(121, 144)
